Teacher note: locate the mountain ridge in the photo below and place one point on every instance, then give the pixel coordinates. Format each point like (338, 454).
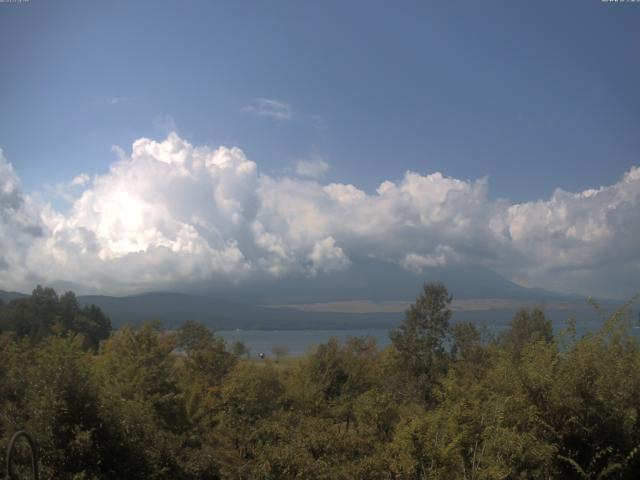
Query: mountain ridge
(329, 302)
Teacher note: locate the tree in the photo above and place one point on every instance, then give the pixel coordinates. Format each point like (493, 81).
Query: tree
(44, 314)
(420, 339)
(193, 336)
(142, 401)
(33, 316)
(62, 412)
(206, 355)
(526, 327)
(239, 349)
(465, 339)
(279, 351)
(44, 308)
(68, 309)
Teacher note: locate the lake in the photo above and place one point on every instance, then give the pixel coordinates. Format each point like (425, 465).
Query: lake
(300, 342)
(297, 342)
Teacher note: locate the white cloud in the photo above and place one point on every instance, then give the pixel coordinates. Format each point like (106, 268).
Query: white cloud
(79, 180)
(327, 257)
(313, 168)
(266, 107)
(417, 263)
(119, 100)
(21, 226)
(169, 213)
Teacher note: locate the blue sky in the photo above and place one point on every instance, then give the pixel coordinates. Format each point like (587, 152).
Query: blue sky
(504, 134)
(536, 95)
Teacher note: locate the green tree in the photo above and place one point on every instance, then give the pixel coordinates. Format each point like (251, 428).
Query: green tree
(420, 340)
(251, 395)
(32, 317)
(239, 349)
(206, 359)
(142, 402)
(527, 326)
(60, 408)
(44, 314)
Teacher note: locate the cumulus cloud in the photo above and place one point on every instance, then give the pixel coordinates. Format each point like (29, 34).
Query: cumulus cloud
(266, 107)
(79, 180)
(326, 256)
(313, 168)
(21, 226)
(417, 263)
(169, 213)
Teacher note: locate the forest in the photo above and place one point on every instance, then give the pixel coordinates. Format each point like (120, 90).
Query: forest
(445, 400)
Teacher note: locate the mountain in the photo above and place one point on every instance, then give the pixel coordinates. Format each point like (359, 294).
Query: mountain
(6, 297)
(370, 294)
(377, 280)
(174, 308)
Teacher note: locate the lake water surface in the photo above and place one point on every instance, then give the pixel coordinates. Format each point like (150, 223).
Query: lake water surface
(297, 342)
(300, 342)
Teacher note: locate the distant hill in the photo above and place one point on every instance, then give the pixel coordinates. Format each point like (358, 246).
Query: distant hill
(298, 302)
(174, 308)
(6, 297)
(376, 280)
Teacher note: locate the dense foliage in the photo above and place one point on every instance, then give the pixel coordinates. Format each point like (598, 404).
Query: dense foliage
(442, 402)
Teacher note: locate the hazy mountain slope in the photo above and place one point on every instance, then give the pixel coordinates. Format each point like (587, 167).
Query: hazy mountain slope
(8, 296)
(375, 280)
(172, 309)
(245, 305)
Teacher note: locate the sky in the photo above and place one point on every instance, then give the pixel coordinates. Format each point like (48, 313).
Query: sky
(172, 140)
